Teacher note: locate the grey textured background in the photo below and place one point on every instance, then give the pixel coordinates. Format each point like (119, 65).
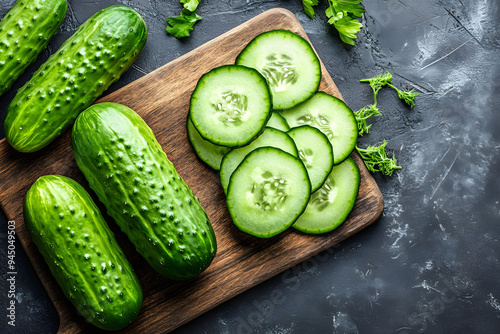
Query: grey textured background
(431, 263)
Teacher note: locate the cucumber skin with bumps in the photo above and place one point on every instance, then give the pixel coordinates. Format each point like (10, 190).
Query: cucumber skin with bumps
(87, 63)
(25, 31)
(132, 176)
(82, 252)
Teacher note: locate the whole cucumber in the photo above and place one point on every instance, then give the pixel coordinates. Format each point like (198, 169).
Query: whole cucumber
(25, 31)
(82, 252)
(127, 168)
(87, 63)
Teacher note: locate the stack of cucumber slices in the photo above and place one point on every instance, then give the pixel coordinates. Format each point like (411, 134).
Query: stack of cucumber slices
(281, 146)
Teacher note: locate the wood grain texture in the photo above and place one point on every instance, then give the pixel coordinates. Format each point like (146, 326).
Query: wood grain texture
(242, 261)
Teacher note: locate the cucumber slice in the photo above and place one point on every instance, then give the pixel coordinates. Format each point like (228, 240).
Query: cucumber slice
(209, 153)
(330, 204)
(289, 64)
(270, 137)
(230, 105)
(315, 151)
(268, 192)
(332, 117)
(278, 122)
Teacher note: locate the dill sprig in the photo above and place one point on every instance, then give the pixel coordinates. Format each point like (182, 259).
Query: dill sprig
(376, 159)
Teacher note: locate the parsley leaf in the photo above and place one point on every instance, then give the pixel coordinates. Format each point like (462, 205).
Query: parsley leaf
(191, 5)
(308, 7)
(343, 14)
(181, 26)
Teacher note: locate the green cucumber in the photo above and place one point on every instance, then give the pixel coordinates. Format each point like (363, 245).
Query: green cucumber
(332, 117)
(278, 122)
(270, 137)
(230, 105)
(25, 31)
(86, 64)
(315, 151)
(209, 153)
(132, 176)
(330, 205)
(268, 192)
(289, 64)
(81, 252)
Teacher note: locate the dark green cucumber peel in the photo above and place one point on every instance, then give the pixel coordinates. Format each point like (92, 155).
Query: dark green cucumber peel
(127, 168)
(209, 153)
(25, 31)
(88, 62)
(81, 252)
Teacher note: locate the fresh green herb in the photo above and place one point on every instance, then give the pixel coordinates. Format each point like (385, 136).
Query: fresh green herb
(376, 83)
(190, 5)
(376, 159)
(181, 26)
(408, 97)
(308, 7)
(342, 14)
(362, 115)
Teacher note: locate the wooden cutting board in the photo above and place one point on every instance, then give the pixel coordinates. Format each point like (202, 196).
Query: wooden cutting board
(242, 261)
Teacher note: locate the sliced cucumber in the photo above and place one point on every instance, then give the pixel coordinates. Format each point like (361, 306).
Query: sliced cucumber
(289, 64)
(270, 137)
(332, 117)
(209, 153)
(315, 151)
(278, 122)
(230, 105)
(330, 204)
(267, 192)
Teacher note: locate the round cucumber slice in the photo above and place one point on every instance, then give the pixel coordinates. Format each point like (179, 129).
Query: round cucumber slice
(267, 192)
(289, 64)
(315, 151)
(209, 153)
(230, 105)
(278, 122)
(332, 117)
(330, 205)
(270, 137)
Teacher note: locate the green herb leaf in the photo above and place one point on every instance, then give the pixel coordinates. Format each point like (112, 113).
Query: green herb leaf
(378, 82)
(343, 14)
(408, 97)
(362, 115)
(181, 26)
(190, 5)
(308, 7)
(376, 159)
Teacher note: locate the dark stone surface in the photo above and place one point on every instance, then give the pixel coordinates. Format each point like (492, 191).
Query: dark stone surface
(431, 263)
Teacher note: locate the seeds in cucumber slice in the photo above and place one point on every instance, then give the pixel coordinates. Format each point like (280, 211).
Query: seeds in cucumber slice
(330, 205)
(278, 122)
(209, 153)
(268, 192)
(289, 64)
(315, 151)
(230, 105)
(332, 117)
(270, 137)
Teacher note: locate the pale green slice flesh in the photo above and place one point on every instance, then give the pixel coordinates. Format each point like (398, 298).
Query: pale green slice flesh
(209, 153)
(332, 117)
(315, 151)
(267, 192)
(270, 137)
(330, 205)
